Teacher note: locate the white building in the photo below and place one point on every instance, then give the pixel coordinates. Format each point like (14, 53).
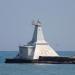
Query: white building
(37, 46)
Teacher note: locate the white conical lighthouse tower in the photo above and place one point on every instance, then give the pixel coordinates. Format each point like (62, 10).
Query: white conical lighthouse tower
(37, 46)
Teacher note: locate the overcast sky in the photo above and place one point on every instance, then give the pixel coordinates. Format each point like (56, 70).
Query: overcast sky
(57, 17)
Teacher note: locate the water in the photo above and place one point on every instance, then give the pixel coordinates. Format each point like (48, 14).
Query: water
(35, 69)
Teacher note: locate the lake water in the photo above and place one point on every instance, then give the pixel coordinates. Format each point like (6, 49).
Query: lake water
(35, 69)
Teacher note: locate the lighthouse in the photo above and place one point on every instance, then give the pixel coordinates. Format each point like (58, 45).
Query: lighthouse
(39, 51)
(37, 47)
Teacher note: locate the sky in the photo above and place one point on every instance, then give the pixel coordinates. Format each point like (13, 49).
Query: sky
(57, 17)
